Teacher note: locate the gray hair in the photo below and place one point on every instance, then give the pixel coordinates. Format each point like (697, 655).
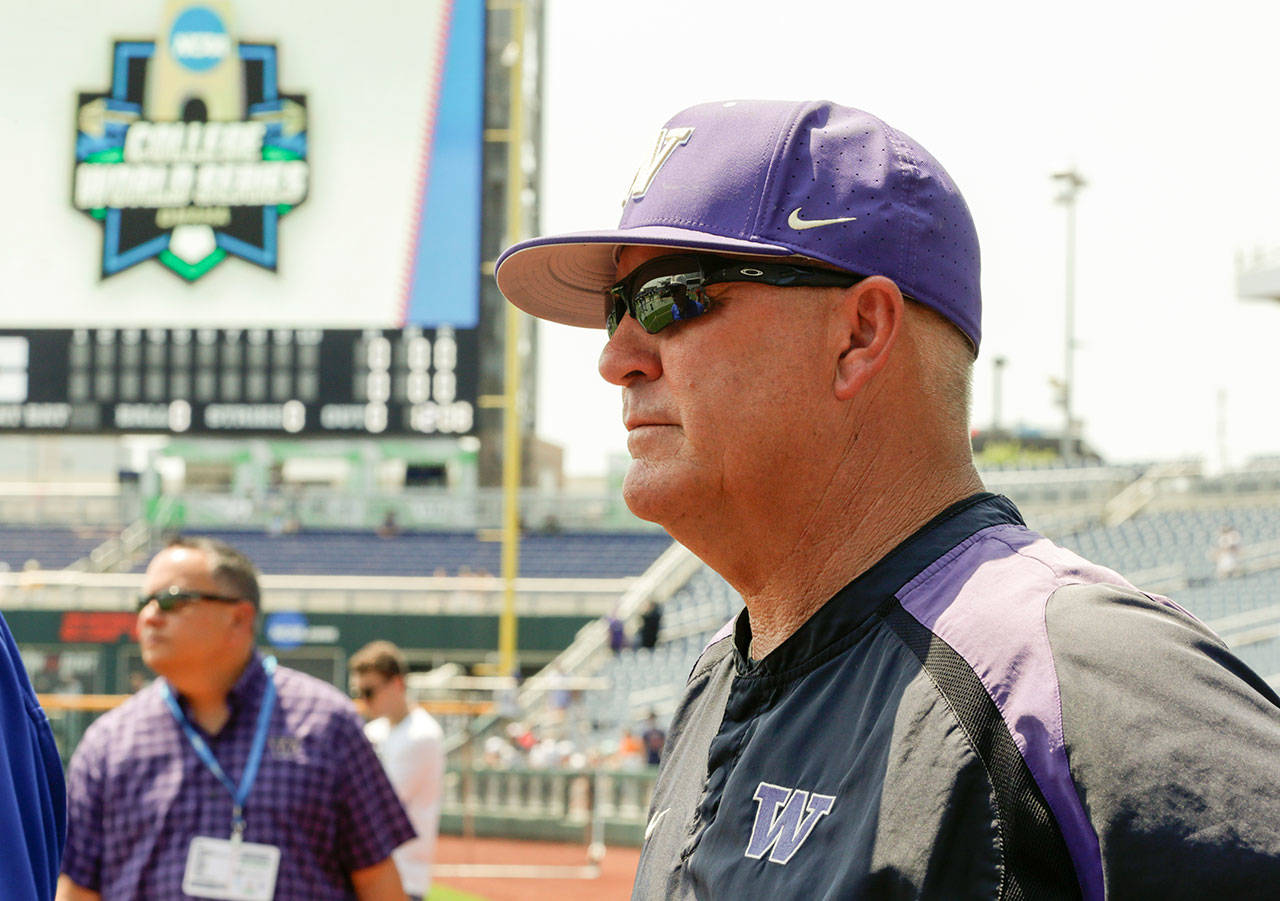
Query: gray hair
(947, 357)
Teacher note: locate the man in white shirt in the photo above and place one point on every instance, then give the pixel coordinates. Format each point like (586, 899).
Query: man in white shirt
(410, 744)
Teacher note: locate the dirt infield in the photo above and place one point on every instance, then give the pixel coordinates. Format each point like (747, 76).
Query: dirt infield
(616, 871)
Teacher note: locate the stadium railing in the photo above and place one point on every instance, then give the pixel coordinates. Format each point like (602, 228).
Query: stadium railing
(413, 508)
(552, 804)
(65, 503)
(560, 804)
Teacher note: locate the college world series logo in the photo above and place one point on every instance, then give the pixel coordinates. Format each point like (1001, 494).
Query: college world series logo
(193, 153)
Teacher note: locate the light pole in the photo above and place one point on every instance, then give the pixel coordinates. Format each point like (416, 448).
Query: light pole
(1069, 182)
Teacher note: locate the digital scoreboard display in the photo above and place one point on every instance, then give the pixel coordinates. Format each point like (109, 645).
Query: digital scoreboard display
(412, 381)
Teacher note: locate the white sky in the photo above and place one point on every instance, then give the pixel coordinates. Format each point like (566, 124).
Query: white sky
(1166, 108)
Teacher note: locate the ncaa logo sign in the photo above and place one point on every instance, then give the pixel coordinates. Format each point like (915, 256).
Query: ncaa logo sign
(199, 39)
(785, 818)
(194, 152)
(291, 629)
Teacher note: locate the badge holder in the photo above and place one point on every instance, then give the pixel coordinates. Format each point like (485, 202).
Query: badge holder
(231, 869)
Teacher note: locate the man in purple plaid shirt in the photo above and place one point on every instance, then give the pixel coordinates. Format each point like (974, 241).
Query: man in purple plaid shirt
(227, 777)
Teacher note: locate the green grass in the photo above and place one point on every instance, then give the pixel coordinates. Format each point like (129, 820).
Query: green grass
(444, 893)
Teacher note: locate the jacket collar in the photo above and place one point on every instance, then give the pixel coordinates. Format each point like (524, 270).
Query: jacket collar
(849, 609)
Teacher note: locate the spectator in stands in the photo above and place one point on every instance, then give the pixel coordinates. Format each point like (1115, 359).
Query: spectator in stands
(151, 793)
(498, 752)
(650, 625)
(653, 738)
(630, 754)
(559, 695)
(33, 801)
(47, 680)
(617, 632)
(389, 528)
(411, 746)
(522, 736)
(922, 698)
(1226, 552)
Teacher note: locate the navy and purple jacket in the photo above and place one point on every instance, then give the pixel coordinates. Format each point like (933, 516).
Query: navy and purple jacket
(982, 714)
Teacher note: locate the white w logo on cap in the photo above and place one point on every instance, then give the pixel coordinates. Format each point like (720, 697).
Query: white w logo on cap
(781, 835)
(668, 140)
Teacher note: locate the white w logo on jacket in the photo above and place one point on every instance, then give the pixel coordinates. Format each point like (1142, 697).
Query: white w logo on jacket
(782, 834)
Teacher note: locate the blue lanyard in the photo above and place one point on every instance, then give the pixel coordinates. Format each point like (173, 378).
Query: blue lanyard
(241, 793)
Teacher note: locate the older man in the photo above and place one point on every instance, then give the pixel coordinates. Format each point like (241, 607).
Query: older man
(923, 698)
(228, 777)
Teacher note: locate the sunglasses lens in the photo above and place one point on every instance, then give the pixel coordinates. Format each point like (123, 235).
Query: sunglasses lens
(615, 307)
(655, 306)
(168, 601)
(659, 292)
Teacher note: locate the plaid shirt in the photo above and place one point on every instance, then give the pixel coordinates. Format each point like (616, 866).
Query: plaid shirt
(138, 793)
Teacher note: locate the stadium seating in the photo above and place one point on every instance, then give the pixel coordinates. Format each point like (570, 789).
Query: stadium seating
(567, 555)
(1264, 658)
(1182, 537)
(1213, 601)
(51, 547)
(644, 679)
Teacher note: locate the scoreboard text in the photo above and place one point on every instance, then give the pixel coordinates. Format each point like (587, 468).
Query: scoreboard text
(412, 381)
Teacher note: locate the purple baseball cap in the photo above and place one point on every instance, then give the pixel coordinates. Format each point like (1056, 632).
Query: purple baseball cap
(811, 179)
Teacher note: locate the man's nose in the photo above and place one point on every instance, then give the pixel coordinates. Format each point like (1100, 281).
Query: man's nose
(631, 354)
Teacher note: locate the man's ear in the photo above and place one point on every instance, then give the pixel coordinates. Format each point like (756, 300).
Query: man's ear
(868, 317)
(247, 614)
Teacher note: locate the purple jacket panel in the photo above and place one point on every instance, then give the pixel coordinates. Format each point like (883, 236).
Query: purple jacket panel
(987, 598)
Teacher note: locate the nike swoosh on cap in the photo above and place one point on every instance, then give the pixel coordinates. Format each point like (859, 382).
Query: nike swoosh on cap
(800, 225)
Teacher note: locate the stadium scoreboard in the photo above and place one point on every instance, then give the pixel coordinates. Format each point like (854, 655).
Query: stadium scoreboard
(288, 382)
(194, 275)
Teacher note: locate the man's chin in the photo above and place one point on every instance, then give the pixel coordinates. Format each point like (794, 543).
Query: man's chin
(155, 659)
(655, 492)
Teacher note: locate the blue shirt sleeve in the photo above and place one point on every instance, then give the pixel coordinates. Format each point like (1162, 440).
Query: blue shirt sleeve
(33, 797)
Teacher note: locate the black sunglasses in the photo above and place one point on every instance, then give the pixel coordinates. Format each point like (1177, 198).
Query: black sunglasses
(673, 288)
(173, 598)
